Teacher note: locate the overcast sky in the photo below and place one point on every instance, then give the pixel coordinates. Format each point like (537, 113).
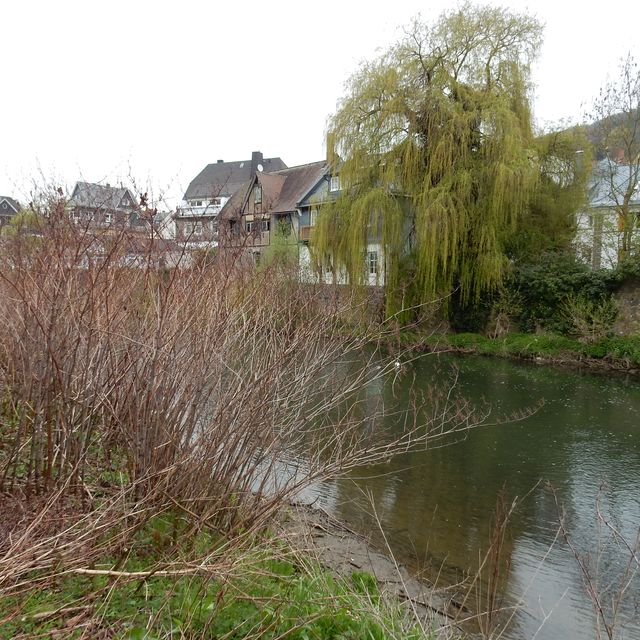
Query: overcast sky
(103, 90)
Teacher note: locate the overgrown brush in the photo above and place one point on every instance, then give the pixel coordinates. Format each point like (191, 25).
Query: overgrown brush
(130, 387)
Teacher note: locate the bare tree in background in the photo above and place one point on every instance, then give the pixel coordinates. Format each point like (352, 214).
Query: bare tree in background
(616, 133)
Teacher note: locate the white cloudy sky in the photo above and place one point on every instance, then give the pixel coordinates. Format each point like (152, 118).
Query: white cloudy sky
(104, 90)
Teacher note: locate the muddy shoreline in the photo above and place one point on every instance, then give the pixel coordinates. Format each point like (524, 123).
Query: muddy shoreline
(343, 551)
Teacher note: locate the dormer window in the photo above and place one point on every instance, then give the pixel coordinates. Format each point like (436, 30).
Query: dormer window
(334, 183)
(257, 194)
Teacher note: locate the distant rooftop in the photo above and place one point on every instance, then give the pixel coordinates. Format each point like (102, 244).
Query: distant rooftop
(10, 202)
(99, 196)
(609, 181)
(223, 179)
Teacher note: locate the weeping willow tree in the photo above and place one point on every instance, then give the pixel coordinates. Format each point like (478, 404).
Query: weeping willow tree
(434, 147)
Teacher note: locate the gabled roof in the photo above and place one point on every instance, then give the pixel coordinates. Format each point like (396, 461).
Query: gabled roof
(11, 202)
(225, 178)
(299, 181)
(281, 190)
(609, 182)
(98, 196)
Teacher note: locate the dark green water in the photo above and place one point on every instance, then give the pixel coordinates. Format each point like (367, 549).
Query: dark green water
(436, 506)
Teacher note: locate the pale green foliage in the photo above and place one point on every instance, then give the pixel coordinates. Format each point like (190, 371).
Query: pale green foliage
(282, 252)
(435, 151)
(26, 221)
(590, 320)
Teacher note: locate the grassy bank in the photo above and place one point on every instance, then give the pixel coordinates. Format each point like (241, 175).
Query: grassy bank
(616, 353)
(168, 586)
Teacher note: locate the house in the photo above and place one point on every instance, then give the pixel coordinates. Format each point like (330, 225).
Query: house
(97, 205)
(288, 203)
(210, 190)
(602, 229)
(8, 208)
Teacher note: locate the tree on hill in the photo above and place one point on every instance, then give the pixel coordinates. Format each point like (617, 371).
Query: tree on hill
(436, 154)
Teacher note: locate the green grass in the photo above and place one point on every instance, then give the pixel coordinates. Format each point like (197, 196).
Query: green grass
(265, 596)
(550, 346)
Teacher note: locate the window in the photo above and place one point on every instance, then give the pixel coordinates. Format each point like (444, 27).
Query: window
(108, 218)
(248, 226)
(197, 229)
(257, 195)
(198, 203)
(313, 216)
(188, 229)
(372, 263)
(334, 183)
(216, 201)
(265, 225)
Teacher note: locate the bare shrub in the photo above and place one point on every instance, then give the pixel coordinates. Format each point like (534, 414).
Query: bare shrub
(129, 388)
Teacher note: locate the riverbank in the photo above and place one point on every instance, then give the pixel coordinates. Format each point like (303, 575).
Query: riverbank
(310, 576)
(343, 552)
(619, 354)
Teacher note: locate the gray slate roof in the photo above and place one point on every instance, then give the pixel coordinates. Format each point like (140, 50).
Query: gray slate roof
(12, 202)
(225, 178)
(609, 181)
(98, 196)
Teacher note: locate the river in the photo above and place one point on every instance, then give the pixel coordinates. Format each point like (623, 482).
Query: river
(436, 506)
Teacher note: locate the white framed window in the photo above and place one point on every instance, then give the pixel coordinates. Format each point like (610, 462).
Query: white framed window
(197, 228)
(257, 195)
(265, 225)
(108, 218)
(372, 263)
(334, 183)
(248, 226)
(216, 201)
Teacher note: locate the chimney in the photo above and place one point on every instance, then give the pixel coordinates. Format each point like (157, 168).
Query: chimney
(256, 159)
(220, 161)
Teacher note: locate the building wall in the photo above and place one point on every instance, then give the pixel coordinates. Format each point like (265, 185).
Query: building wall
(372, 277)
(599, 237)
(196, 229)
(628, 302)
